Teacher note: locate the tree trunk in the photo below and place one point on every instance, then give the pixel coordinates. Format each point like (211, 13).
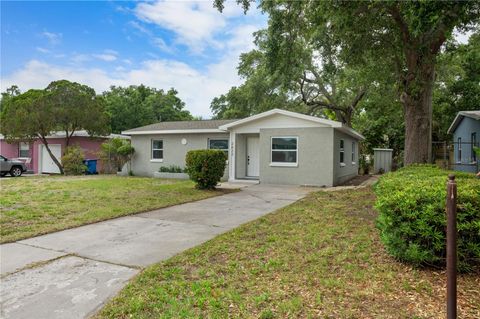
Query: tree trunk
(417, 102)
(55, 160)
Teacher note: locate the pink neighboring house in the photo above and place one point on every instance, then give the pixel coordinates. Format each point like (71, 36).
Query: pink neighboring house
(36, 156)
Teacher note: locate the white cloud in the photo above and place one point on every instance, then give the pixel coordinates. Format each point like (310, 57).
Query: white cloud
(42, 50)
(160, 43)
(194, 23)
(105, 57)
(196, 88)
(53, 38)
(80, 58)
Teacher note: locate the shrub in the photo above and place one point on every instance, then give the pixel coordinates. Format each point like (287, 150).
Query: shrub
(72, 161)
(412, 220)
(205, 167)
(116, 152)
(171, 169)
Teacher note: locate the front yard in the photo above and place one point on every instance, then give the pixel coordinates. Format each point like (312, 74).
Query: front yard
(31, 206)
(320, 257)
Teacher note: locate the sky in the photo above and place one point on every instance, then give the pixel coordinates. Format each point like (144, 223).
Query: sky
(187, 45)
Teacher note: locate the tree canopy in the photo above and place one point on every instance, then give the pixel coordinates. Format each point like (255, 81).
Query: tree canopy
(135, 106)
(63, 105)
(404, 38)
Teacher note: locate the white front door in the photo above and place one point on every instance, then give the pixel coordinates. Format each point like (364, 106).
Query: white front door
(253, 157)
(48, 165)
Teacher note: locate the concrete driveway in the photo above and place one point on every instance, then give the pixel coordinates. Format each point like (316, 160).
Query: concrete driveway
(72, 273)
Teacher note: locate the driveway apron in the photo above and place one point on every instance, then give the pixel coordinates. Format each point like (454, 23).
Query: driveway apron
(72, 273)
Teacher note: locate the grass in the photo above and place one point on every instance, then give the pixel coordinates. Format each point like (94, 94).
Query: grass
(32, 206)
(318, 258)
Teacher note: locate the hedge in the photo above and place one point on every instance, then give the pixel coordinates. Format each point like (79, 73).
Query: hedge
(412, 220)
(72, 161)
(205, 167)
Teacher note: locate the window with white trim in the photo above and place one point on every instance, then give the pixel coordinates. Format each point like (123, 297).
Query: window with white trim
(218, 144)
(474, 144)
(342, 152)
(459, 153)
(157, 149)
(24, 149)
(353, 152)
(284, 150)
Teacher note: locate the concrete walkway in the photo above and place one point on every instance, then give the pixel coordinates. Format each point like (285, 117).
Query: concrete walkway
(72, 273)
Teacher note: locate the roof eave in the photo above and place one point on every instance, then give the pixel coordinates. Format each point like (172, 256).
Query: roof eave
(283, 112)
(455, 122)
(351, 132)
(185, 131)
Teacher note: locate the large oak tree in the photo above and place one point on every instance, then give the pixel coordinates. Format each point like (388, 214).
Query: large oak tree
(408, 35)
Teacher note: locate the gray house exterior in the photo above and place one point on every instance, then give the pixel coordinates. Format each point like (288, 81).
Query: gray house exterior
(274, 147)
(466, 134)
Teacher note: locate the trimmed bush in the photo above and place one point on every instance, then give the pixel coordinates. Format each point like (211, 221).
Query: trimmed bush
(412, 218)
(205, 167)
(72, 161)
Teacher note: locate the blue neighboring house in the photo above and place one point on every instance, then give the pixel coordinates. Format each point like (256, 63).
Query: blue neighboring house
(466, 134)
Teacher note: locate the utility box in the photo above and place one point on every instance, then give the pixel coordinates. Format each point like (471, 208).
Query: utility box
(382, 160)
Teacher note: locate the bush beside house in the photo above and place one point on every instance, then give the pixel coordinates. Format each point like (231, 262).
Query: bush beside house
(412, 220)
(116, 152)
(205, 167)
(72, 161)
(172, 171)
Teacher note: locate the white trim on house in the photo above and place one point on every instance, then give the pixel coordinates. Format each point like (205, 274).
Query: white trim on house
(231, 151)
(341, 149)
(283, 164)
(186, 131)
(460, 115)
(310, 118)
(154, 159)
(282, 112)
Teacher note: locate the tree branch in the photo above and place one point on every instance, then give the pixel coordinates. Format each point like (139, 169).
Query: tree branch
(397, 17)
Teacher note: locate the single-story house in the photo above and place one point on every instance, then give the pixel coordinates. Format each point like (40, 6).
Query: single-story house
(466, 135)
(274, 147)
(37, 158)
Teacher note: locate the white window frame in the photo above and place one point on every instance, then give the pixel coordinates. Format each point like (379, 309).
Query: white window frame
(473, 137)
(342, 151)
(283, 164)
(353, 153)
(159, 160)
(219, 139)
(459, 150)
(20, 149)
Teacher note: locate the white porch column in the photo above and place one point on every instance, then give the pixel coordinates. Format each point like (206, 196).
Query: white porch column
(231, 168)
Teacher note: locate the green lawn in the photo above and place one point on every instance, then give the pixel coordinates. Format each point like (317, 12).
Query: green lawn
(31, 206)
(318, 258)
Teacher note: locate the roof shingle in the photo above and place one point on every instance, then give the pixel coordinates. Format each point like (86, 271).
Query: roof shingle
(182, 125)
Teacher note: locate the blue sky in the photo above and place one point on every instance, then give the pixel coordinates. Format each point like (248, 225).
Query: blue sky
(183, 44)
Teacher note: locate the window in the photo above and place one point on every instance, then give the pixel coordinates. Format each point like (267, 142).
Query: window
(474, 144)
(353, 152)
(342, 152)
(284, 150)
(215, 144)
(24, 150)
(459, 154)
(157, 149)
